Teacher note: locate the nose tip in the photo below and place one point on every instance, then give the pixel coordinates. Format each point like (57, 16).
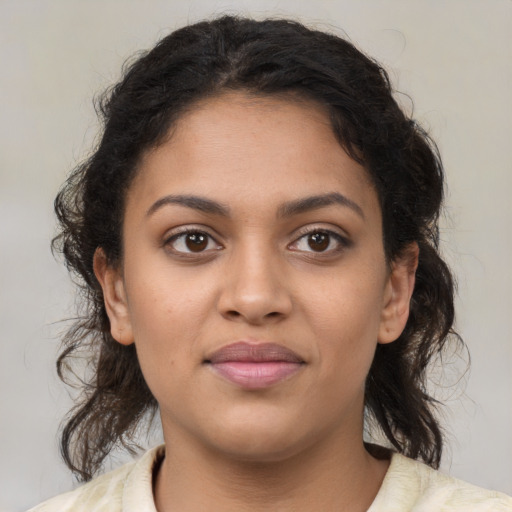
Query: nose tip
(252, 293)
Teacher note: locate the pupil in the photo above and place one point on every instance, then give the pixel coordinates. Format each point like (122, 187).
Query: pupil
(318, 241)
(196, 242)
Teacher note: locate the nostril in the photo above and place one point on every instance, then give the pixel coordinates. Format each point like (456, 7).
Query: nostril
(254, 305)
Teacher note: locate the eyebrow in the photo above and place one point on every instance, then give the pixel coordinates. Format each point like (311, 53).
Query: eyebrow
(307, 204)
(201, 204)
(287, 209)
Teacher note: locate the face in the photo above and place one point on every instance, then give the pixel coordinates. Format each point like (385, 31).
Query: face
(254, 282)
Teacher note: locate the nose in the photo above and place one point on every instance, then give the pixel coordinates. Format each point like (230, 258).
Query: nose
(256, 288)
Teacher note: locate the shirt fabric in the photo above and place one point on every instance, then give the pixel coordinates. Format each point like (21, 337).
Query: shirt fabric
(409, 486)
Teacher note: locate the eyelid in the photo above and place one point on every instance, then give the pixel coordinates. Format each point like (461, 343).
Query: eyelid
(326, 228)
(189, 228)
(175, 233)
(344, 241)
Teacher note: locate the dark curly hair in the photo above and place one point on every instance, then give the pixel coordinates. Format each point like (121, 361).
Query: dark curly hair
(267, 58)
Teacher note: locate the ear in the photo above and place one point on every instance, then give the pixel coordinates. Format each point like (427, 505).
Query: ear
(398, 293)
(114, 295)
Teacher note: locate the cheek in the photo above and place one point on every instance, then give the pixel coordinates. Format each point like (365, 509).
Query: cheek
(168, 300)
(171, 310)
(345, 317)
(349, 309)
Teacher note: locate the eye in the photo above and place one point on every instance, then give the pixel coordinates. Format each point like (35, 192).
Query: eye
(190, 242)
(320, 241)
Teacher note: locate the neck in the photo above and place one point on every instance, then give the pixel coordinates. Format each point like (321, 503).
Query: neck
(328, 475)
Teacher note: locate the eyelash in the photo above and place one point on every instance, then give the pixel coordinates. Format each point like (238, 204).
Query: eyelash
(342, 242)
(169, 241)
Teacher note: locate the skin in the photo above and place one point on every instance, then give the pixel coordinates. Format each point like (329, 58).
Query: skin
(296, 445)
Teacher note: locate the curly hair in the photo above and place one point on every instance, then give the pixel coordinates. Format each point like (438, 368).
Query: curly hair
(269, 57)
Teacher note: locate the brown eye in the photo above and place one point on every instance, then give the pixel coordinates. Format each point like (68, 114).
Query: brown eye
(196, 242)
(319, 241)
(191, 242)
(322, 242)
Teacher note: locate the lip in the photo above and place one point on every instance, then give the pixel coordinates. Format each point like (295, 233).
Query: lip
(254, 365)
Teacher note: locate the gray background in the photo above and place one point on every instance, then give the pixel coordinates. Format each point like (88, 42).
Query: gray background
(452, 57)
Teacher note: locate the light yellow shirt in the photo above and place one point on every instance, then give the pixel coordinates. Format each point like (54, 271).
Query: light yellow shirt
(409, 486)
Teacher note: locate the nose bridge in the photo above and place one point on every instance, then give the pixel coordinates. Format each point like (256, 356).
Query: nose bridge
(255, 286)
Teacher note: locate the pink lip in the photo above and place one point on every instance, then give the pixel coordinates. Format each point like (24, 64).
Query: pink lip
(255, 365)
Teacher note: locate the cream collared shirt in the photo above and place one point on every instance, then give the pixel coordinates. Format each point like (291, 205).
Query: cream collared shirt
(409, 486)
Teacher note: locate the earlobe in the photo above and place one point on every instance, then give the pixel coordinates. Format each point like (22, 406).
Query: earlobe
(398, 293)
(114, 296)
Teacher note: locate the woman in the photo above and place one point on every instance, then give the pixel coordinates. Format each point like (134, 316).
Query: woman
(257, 237)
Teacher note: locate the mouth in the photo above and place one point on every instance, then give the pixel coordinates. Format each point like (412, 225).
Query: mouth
(255, 365)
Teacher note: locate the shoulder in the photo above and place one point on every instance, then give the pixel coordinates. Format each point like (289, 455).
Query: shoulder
(412, 486)
(124, 489)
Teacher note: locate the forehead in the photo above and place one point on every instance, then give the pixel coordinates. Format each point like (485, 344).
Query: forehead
(241, 147)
